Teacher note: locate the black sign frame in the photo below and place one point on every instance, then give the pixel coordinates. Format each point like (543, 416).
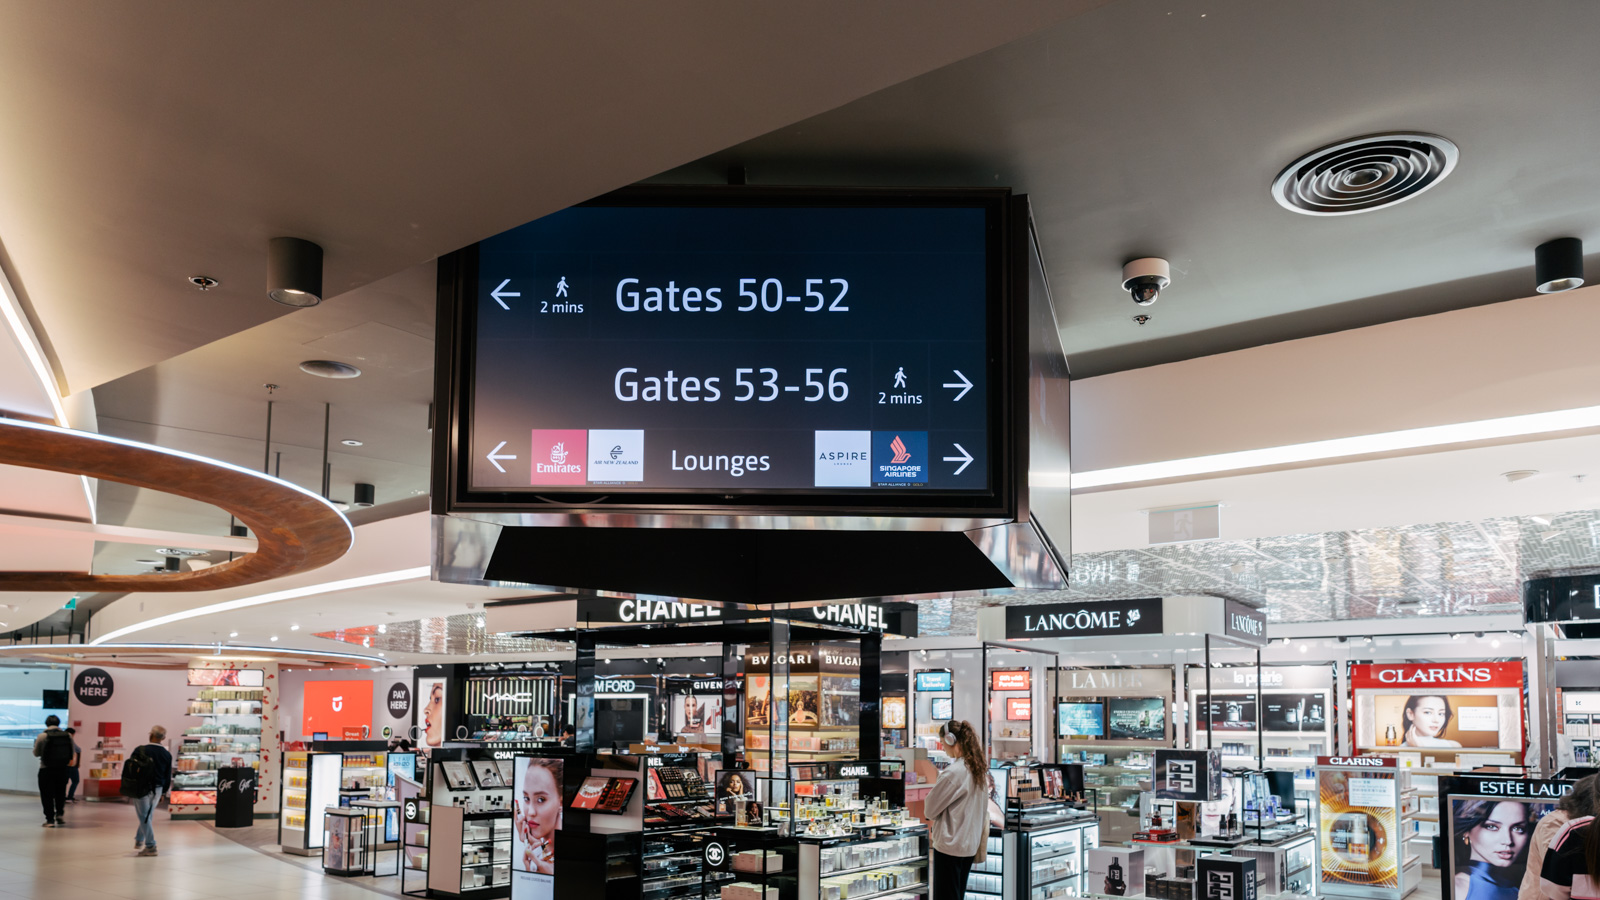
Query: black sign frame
(1508, 787)
(1244, 623)
(1089, 618)
(1005, 376)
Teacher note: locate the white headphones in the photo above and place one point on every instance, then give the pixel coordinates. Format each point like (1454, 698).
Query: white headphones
(949, 738)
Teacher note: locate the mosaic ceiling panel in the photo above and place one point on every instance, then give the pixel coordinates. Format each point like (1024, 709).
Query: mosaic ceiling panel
(461, 635)
(1441, 569)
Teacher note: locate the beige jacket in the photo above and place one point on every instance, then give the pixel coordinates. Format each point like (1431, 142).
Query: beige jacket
(1543, 834)
(958, 814)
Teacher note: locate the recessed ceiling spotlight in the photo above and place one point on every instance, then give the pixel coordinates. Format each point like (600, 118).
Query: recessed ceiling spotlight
(1558, 265)
(350, 442)
(203, 282)
(294, 627)
(1495, 642)
(294, 272)
(151, 562)
(233, 634)
(1365, 173)
(328, 368)
(274, 637)
(1516, 475)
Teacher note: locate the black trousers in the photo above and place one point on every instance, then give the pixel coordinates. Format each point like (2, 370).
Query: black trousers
(950, 876)
(53, 792)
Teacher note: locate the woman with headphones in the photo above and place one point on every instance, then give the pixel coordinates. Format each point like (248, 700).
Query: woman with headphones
(957, 812)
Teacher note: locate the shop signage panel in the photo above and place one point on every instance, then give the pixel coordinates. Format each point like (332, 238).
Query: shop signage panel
(933, 681)
(1226, 878)
(1095, 618)
(1244, 623)
(93, 687)
(1019, 680)
(745, 349)
(1436, 675)
(643, 610)
(399, 700)
(336, 707)
(1090, 682)
(1478, 810)
(1568, 598)
(1357, 762)
(1187, 775)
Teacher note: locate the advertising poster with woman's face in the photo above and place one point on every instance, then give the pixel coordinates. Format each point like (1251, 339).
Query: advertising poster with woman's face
(431, 715)
(535, 819)
(1437, 721)
(1489, 846)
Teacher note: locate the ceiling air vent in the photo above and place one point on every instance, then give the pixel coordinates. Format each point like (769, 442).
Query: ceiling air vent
(1364, 174)
(327, 368)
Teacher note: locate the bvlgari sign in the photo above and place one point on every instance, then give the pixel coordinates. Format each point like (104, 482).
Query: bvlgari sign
(1092, 618)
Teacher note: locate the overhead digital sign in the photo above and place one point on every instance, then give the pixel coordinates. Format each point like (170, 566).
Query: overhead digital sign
(690, 348)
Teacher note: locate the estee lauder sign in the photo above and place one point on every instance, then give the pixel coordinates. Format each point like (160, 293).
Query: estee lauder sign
(1095, 618)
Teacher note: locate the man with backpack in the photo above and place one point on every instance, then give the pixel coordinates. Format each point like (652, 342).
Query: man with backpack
(54, 749)
(145, 774)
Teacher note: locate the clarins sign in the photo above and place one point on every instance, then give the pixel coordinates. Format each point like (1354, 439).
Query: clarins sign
(1356, 762)
(1097, 618)
(1463, 675)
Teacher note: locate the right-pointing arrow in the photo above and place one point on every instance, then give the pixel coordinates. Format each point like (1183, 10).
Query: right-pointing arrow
(495, 456)
(963, 384)
(965, 458)
(501, 292)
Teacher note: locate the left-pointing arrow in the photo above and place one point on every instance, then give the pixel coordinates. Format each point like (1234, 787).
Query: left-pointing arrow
(495, 456)
(498, 294)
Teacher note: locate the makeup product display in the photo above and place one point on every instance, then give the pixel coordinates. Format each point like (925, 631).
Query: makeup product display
(676, 796)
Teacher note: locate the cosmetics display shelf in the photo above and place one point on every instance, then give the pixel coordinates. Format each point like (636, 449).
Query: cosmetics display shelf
(469, 853)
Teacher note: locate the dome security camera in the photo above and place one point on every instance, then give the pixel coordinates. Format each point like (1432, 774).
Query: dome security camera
(1145, 278)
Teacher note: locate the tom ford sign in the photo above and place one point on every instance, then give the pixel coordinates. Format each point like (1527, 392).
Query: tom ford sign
(1097, 618)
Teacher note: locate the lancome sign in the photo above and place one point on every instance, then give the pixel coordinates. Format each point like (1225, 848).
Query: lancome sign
(1244, 623)
(1096, 618)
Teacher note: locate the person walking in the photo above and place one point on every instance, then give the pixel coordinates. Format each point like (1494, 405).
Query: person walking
(145, 776)
(54, 749)
(957, 809)
(72, 770)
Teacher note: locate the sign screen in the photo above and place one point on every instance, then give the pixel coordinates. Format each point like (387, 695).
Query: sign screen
(639, 348)
(333, 706)
(933, 681)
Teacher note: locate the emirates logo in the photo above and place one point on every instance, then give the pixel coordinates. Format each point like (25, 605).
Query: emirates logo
(901, 455)
(558, 454)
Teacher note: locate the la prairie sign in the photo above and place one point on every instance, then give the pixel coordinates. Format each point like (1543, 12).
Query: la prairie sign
(1096, 618)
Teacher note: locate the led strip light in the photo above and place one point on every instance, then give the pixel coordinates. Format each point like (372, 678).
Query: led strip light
(416, 573)
(1336, 448)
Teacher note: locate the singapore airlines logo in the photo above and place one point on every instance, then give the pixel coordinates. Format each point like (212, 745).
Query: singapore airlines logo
(558, 454)
(338, 704)
(901, 455)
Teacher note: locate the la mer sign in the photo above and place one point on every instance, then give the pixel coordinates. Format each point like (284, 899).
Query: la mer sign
(1096, 618)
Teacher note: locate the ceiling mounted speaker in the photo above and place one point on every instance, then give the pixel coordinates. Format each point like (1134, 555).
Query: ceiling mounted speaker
(1558, 265)
(366, 495)
(1364, 174)
(294, 274)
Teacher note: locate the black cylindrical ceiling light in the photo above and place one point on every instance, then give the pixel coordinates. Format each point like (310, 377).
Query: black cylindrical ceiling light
(366, 495)
(1558, 265)
(239, 531)
(294, 276)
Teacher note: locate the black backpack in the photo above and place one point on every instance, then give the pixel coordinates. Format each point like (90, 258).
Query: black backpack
(138, 774)
(57, 752)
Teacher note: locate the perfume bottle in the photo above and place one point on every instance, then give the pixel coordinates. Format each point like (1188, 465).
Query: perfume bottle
(1390, 737)
(1114, 884)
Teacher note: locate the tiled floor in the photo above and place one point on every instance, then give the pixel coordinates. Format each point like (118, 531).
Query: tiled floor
(92, 858)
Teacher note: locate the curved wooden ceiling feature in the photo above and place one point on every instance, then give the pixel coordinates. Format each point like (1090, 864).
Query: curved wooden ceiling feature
(295, 530)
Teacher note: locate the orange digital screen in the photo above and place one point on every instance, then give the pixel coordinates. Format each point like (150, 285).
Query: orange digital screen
(333, 706)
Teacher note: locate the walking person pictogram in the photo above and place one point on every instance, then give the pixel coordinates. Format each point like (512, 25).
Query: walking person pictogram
(561, 287)
(900, 377)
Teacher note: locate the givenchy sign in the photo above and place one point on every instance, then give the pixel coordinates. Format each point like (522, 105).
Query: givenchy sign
(1095, 618)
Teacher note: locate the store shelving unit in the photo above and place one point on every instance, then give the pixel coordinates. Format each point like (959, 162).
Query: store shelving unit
(856, 866)
(229, 734)
(104, 777)
(671, 867)
(987, 879)
(414, 845)
(469, 853)
(310, 785)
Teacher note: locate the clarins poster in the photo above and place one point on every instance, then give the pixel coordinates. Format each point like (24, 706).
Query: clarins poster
(1360, 843)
